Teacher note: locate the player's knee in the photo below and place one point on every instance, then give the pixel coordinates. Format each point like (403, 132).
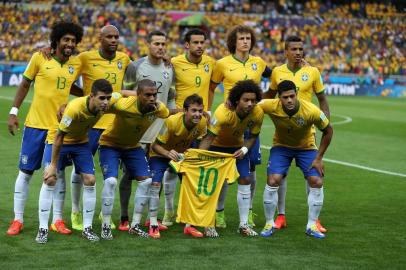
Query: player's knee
(141, 178)
(111, 181)
(315, 181)
(27, 171)
(156, 184)
(89, 179)
(51, 181)
(244, 180)
(274, 180)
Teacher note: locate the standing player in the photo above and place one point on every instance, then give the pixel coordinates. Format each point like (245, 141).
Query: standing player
(177, 135)
(70, 141)
(308, 81)
(151, 67)
(53, 81)
(226, 134)
(239, 65)
(104, 63)
(294, 120)
(120, 141)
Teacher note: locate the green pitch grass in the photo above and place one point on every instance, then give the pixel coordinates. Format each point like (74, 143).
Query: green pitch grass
(364, 211)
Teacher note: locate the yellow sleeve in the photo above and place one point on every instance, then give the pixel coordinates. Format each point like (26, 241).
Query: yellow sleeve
(268, 106)
(217, 76)
(162, 111)
(318, 86)
(274, 83)
(32, 68)
(163, 135)
(216, 122)
(67, 118)
(175, 166)
(255, 129)
(320, 119)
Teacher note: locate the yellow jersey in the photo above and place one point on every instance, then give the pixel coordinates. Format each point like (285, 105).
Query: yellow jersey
(204, 173)
(307, 80)
(191, 78)
(174, 134)
(95, 67)
(129, 123)
(230, 70)
(295, 131)
(52, 84)
(229, 128)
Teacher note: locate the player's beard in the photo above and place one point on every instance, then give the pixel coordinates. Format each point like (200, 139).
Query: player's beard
(67, 52)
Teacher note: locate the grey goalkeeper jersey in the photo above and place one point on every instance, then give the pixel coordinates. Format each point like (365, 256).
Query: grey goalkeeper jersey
(163, 77)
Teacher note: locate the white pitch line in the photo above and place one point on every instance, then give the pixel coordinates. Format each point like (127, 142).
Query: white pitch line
(12, 98)
(353, 165)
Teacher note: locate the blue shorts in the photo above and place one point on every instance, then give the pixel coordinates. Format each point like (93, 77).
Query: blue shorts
(243, 165)
(32, 148)
(158, 167)
(94, 136)
(78, 153)
(281, 157)
(134, 160)
(254, 153)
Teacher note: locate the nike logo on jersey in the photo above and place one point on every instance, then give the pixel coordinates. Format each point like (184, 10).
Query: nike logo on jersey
(232, 69)
(185, 69)
(95, 65)
(48, 67)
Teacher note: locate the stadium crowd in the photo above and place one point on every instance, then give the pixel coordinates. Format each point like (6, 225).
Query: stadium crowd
(351, 38)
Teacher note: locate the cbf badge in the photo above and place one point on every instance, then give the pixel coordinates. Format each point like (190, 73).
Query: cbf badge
(300, 121)
(254, 66)
(305, 77)
(166, 75)
(151, 117)
(206, 67)
(71, 69)
(120, 65)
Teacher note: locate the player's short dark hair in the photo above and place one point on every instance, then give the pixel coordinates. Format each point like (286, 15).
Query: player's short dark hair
(192, 99)
(155, 33)
(62, 28)
(290, 39)
(232, 37)
(285, 85)
(101, 85)
(194, 32)
(242, 87)
(144, 84)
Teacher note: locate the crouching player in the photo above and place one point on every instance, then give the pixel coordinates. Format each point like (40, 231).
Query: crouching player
(71, 142)
(177, 135)
(294, 139)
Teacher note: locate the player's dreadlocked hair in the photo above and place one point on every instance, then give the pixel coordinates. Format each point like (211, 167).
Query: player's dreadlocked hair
(232, 37)
(241, 87)
(60, 29)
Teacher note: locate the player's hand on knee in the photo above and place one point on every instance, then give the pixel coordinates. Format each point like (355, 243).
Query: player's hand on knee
(50, 175)
(318, 165)
(12, 124)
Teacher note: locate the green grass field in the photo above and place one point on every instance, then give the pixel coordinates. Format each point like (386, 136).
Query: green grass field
(365, 211)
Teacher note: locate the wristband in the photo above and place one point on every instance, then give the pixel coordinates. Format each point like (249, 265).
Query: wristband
(209, 113)
(14, 111)
(244, 150)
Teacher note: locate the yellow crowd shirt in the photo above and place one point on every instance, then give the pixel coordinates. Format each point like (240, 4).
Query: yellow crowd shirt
(203, 174)
(230, 70)
(95, 67)
(192, 78)
(174, 134)
(52, 84)
(229, 128)
(295, 131)
(129, 123)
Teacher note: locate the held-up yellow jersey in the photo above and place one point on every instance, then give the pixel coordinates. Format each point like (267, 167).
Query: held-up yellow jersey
(174, 134)
(129, 123)
(192, 78)
(229, 128)
(295, 131)
(230, 70)
(77, 120)
(52, 83)
(204, 173)
(307, 80)
(95, 67)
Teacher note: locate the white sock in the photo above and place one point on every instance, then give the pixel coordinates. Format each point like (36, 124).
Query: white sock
(169, 190)
(154, 204)
(141, 199)
(253, 178)
(108, 192)
(44, 205)
(243, 200)
(282, 196)
(125, 194)
(89, 204)
(270, 202)
(20, 195)
(315, 202)
(222, 197)
(59, 196)
(76, 184)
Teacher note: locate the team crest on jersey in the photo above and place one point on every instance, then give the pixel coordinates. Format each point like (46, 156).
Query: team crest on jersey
(195, 132)
(120, 65)
(166, 75)
(151, 117)
(305, 77)
(71, 69)
(300, 121)
(206, 67)
(24, 159)
(250, 123)
(254, 66)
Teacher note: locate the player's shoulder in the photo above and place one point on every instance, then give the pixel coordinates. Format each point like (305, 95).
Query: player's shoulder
(208, 59)
(309, 106)
(74, 60)
(88, 54)
(77, 103)
(174, 119)
(38, 58)
(257, 111)
(280, 68)
(256, 59)
(225, 60)
(178, 59)
(263, 104)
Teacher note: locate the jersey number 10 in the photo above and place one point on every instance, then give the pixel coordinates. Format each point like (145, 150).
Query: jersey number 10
(204, 181)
